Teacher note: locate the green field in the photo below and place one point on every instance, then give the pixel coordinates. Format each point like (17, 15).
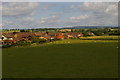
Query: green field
(62, 59)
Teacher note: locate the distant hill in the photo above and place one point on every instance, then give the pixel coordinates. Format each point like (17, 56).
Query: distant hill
(79, 27)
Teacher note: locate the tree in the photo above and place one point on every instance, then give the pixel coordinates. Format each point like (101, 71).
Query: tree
(98, 33)
(15, 32)
(22, 30)
(85, 34)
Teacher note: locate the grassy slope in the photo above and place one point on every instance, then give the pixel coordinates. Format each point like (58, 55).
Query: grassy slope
(65, 59)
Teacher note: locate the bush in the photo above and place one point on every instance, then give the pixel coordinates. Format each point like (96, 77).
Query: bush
(74, 38)
(23, 43)
(37, 40)
(6, 46)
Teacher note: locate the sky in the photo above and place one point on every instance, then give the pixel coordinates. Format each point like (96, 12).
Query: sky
(26, 15)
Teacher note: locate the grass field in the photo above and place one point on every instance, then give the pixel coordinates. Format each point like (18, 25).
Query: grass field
(101, 38)
(63, 59)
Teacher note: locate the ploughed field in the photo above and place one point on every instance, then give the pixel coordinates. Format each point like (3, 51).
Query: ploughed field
(62, 59)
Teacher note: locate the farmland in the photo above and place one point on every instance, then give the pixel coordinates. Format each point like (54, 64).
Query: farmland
(63, 59)
(100, 38)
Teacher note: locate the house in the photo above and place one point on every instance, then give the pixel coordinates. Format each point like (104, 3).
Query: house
(7, 39)
(39, 34)
(45, 35)
(7, 36)
(43, 38)
(17, 37)
(24, 36)
(50, 36)
(91, 33)
(73, 34)
(80, 34)
(69, 35)
(60, 36)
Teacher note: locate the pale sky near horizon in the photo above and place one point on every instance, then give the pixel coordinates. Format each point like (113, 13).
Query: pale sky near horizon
(58, 14)
(60, 0)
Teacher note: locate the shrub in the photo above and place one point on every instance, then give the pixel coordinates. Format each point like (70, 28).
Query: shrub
(37, 40)
(6, 46)
(23, 43)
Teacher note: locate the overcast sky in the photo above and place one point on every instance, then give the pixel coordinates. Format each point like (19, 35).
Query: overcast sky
(58, 14)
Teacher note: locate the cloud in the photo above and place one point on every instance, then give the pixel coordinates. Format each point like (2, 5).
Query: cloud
(112, 9)
(79, 17)
(100, 7)
(21, 8)
(33, 15)
(46, 6)
(74, 6)
(28, 19)
(100, 13)
(0, 9)
(42, 21)
(50, 19)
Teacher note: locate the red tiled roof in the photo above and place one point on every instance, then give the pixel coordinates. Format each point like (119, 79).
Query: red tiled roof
(8, 35)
